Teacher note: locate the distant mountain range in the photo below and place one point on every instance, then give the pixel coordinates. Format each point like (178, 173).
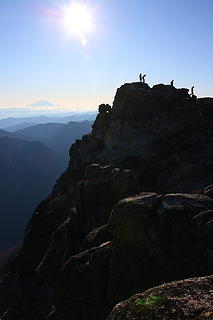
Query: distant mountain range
(10, 124)
(19, 126)
(57, 136)
(31, 159)
(28, 171)
(40, 132)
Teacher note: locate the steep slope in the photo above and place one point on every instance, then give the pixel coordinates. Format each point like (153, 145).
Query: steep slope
(27, 171)
(6, 257)
(129, 213)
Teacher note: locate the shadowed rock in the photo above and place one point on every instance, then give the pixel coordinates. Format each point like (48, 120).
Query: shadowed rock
(158, 239)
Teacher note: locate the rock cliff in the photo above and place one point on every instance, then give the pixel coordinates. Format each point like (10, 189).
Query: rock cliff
(133, 210)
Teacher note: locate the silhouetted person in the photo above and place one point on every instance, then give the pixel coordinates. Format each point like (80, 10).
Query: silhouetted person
(140, 77)
(172, 83)
(143, 78)
(192, 91)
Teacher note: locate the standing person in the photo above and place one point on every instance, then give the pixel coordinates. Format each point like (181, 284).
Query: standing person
(143, 78)
(140, 77)
(172, 83)
(192, 91)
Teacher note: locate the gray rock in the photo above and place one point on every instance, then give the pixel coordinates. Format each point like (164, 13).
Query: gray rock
(158, 239)
(188, 299)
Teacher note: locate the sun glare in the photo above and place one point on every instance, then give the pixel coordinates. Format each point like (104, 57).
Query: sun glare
(78, 20)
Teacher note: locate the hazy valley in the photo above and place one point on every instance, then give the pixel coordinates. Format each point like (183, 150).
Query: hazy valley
(31, 160)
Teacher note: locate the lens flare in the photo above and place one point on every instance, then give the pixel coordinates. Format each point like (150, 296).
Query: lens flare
(78, 20)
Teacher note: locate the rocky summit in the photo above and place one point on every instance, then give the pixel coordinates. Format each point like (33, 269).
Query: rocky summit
(133, 210)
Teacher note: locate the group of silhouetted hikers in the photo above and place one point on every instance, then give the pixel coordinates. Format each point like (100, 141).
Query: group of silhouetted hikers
(142, 79)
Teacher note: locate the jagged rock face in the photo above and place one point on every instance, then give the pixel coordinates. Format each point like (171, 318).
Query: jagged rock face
(155, 239)
(57, 231)
(84, 285)
(188, 299)
(159, 239)
(77, 259)
(162, 132)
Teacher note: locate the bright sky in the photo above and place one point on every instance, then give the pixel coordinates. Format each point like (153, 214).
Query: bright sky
(46, 56)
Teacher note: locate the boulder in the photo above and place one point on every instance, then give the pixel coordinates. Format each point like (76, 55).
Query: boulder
(187, 299)
(158, 239)
(101, 188)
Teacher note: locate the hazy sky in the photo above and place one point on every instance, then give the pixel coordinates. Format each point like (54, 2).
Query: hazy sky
(41, 60)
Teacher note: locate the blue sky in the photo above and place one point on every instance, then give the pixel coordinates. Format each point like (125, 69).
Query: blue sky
(166, 39)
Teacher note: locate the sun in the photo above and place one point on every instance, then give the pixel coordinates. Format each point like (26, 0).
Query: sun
(78, 19)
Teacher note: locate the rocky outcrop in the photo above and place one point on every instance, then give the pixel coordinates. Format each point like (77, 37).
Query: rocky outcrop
(159, 239)
(161, 132)
(155, 239)
(188, 299)
(129, 213)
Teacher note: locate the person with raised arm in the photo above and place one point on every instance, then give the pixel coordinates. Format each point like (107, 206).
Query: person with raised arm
(143, 78)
